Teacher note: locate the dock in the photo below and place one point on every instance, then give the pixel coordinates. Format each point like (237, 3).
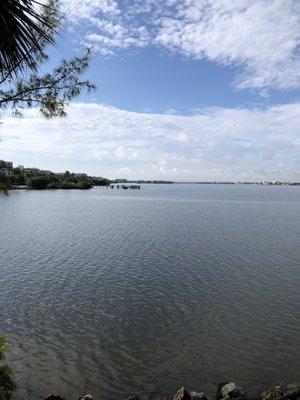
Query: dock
(125, 187)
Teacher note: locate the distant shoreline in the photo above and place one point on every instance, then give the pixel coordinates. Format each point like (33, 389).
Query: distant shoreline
(26, 187)
(263, 183)
(245, 183)
(80, 187)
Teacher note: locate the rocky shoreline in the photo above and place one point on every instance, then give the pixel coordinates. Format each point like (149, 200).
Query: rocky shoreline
(225, 391)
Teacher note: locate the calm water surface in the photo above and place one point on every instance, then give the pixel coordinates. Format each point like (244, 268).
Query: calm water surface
(138, 292)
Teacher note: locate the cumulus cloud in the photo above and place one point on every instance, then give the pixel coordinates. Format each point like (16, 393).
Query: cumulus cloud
(260, 37)
(214, 143)
(76, 10)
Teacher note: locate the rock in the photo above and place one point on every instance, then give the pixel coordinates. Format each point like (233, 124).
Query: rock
(219, 394)
(226, 397)
(181, 394)
(53, 397)
(229, 391)
(198, 396)
(274, 393)
(87, 397)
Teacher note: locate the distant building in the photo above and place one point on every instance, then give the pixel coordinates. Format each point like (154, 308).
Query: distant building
(120, 180)
(6, 168)
(31, 170)
(45, 172)
(6, 164)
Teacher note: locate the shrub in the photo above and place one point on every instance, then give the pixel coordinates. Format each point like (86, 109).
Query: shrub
(38, 182)
(84, 185)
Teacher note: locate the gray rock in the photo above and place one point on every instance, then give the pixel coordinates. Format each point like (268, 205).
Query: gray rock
(87, 397)
(274, 393)
(53, 397)
(226, 398)
(232, 390)
(181, 394)
(198, 396)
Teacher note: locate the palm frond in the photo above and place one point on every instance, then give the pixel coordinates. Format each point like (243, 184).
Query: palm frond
(22, 27)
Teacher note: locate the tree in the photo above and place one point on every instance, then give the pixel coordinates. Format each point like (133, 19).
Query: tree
(100, 181)
(66, 176)
(38, 182)
(21, 29)
(26, 28)
(84, 185)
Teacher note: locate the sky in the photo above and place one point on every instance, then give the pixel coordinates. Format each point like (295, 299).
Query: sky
(186, 90)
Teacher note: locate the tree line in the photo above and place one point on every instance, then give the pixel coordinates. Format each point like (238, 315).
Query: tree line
(38, 179)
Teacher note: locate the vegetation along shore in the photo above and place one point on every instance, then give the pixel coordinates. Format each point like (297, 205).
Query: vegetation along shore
(21, 177)
(33, 178)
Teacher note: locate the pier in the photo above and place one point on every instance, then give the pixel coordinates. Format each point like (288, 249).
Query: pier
(117, 186)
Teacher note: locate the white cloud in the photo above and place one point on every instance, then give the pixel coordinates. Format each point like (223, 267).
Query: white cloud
(115, 36)
(170, 111)
(123, 170)
(260, 37)
(76, 10)
(215, 143)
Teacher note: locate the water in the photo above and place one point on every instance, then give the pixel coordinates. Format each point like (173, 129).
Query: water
(139, 292)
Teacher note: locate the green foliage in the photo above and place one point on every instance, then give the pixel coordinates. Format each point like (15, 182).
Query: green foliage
(67, 184)
(2, 346)
(38, 182)
(4, 186)
(52, 185)
(84, 185)
(7, 385)
(21, 32)
(3, 189)
(49, 91)
(2, 394)
(38, 179)
(101, 182)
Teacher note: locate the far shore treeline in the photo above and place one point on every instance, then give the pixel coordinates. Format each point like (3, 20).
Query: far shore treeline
(34, 178)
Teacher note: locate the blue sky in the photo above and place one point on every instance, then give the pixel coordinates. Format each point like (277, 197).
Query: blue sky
(186, 90)
(157, 81)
